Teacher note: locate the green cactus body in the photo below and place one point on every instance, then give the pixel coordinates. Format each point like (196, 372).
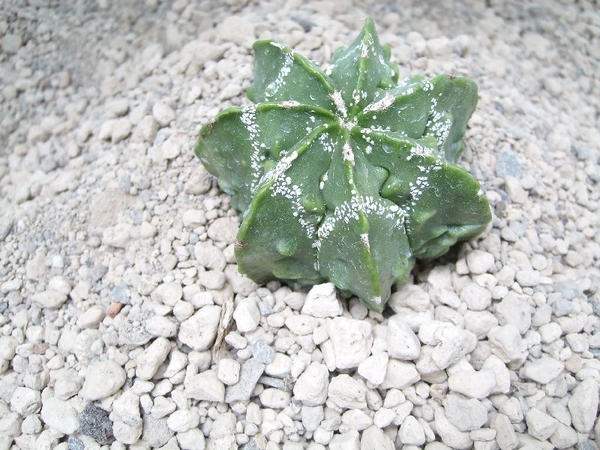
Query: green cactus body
(344, 174)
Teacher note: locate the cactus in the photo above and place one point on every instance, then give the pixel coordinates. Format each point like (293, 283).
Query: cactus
(343, 174)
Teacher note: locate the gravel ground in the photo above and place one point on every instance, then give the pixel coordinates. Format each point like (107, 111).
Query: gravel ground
(124, 321)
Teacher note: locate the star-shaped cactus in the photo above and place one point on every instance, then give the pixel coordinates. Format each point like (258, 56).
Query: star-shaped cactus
(343, 174)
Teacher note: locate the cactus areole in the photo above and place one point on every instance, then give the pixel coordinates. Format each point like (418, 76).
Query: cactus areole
(344, 174)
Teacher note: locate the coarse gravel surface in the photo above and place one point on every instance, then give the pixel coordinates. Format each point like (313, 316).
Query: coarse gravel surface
(124, 322)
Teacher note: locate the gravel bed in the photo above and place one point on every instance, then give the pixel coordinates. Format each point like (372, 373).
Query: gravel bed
(124, 322)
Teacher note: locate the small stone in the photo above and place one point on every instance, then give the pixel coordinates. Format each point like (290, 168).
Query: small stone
(95, 422)
(322, 301)
(183, 420)
(117, 236)
(480, 261)
(205, 386)
(91, 318)
(300, 324)
(399, 375)
(542, 370)
(539, 425)
(345, 441)
(516, 311)
(550, 332)
(583, 405)
(236, 29)
(168, 293)
(275, 398)
(451, 436)
(280, 367)
(161, 326)
(163, 114)
(402, 343)
(200, 330)
(246, 315)
(506, 342)
(150, 359)
(192, 439)
(465, 414)
(311, 386)
(346, 392)
(564, 437)
(212, 279)
(475, 297)
(223, 229)
(25, 401)
(500, 373)
(121, 128)
(127, 434)
(528, 278)
(210, 256)
(373, 438)
(170, 148)
(411, 432)
(156, 432)
(145, 130)
(374, 368)
(473, 384)
(49, 299)
(505, 432)
(356, 419)
(60, 415)
(11, 43)
(102, 379)
(251, 371)
(455, 343)
(351, 340)
(127, 408)
(228, 371)
(514, 190)
(409, 296)
(312, 416)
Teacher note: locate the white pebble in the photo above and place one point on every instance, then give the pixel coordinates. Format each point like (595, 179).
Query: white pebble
(455, 343)
(60, 415)
(246, 315)
(411, 432)
(351, 340)
(480, 261)
(102, 379)
(347, 392)
(473, 384)
(205, 386)
(322, 301)
(542, 370)
(400, 375)
(152, 357)
(465, 414)
(228, 371)
(373, 438)
(275, 398)
(539, 425)
(475, 297)
(311, 386)
(374, 368)
(200, 330)
(168, 293)
(25, 401)
(583, 405)
(163, 114)
(402, 342)
(183, 420)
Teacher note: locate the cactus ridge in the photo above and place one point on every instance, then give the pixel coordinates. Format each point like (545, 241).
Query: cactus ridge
(344, 174)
